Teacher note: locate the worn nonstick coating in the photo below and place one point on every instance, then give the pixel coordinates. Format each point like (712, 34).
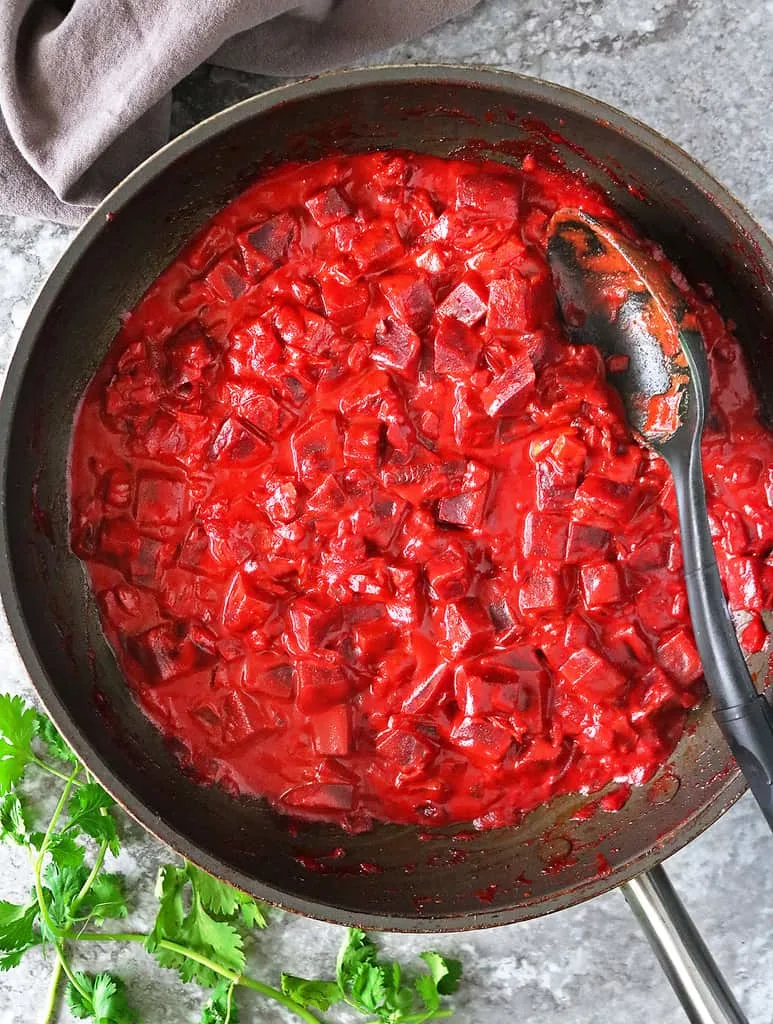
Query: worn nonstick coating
(550, 861)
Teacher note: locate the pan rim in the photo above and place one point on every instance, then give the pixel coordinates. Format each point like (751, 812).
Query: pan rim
(523, 88)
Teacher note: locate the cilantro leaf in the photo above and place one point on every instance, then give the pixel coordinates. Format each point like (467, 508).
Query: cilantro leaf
(221, 1006)
(198, 930)
(223, 900)
(314, 995)
(63, 883)
(47, 732)
(100, 997)
(17, 727)
(17, 932)
(65, 851)
(12, 823)
(89, 811)
(445, 972)
(106, 898)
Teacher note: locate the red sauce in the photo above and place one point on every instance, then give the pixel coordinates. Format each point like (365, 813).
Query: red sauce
(369, 536)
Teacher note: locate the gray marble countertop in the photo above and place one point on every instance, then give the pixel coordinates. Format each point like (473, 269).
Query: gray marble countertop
(698, 71)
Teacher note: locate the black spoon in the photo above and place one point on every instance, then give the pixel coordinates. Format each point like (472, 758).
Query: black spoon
(614, 294)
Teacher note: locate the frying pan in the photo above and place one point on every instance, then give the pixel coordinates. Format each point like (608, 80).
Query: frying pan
(424, 882)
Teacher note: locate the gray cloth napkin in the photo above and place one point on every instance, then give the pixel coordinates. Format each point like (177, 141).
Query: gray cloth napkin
(85, 85)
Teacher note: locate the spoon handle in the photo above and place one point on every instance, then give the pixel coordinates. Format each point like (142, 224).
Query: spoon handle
(744, 715)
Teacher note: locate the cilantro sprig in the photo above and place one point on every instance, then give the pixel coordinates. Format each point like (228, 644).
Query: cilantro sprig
(201, 923)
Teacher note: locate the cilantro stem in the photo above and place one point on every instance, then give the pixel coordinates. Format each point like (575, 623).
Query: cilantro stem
(68, 971)
(53, 992)
(50, 769)
(225, 972)
(38, 866)
(90, 880)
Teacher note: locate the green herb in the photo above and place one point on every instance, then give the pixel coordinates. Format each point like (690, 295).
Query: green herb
(201, 923)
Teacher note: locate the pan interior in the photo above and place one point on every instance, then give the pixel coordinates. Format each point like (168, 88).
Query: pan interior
(393, 876)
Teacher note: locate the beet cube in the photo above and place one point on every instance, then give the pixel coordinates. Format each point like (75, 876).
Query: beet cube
(541, 592)
(743, 580)
(465, 627)
(409, 752)
(320, 797)
(410, 298)
(602, 502)
(678, 656)
(754, 635)
(328, 207)
(466, 509)
(492, 195)
(168, 651)
(474, 695)
(465, 303)
(238, 443)
(362, 443)
(457, 348)
(377, 246)
(321, 684)
(428, 691)
(328, 497)
(226, 279)
(316, 451)
(600, 584)
(271, 239)
(592, 675)
(252, 347)
(332, 731)
(509, 392)
(160, 500)
(244, 609)
(312, 625)
(397, 346)
(544, 536)
(269, 674)
(485, 741)
(511, 308)
(344, 301)
(649, 554)
(449, 573)
(116, 487)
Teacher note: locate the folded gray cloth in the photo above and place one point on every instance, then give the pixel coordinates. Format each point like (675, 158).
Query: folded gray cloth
(85, 84)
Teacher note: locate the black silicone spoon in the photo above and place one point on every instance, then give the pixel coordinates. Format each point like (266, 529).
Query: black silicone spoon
(615, 295)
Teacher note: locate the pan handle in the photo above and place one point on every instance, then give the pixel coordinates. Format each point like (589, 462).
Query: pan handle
(689, 966)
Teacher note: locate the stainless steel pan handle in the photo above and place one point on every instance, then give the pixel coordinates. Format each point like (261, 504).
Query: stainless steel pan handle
(682, 953)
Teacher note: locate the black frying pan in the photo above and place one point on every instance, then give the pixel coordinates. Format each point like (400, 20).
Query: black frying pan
(53, 616)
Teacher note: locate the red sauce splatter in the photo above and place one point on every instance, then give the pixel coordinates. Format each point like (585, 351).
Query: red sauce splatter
(368, 535)
(487, 895)
(603, 868)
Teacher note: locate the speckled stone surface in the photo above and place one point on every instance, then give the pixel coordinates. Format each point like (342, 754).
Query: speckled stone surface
(699, 71)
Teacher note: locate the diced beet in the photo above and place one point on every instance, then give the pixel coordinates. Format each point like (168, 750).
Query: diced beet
(244, 609)
(660, 607)
(410, 298)
(474, 695)
(428, 691)
(367, 393)
(457, 348)
(321, 684)
(319, 797)
(541, 592)
(380, 523)
(743, 580)
(678, 656)
(269, 674)
(226, 278)
(148, 561)
(377, 246)
(466, 303)
(568, 452)
(409, 752)
(344, 301)
(649, 554)
(328, 207)
(116, 487)
(282, 502)
(332, 731)
(492, 195)
(252, 347)
(465, 627)
(327, 498)
(256, 263)
(622, 467)
(556, 485)
(509, 392)
(600, 584)
(166, 652)
(544, 536)
(591, 674)
(238, 443)
(449, 573)
(466, 509)
(603, 503)
(754, 635)
(512, 310)
(473, 428)
(397, 346)
(188, 355)
(485, 741)
(313, 626)
(160, 500)
(271, 239)
(362, 443)
(316, 451)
